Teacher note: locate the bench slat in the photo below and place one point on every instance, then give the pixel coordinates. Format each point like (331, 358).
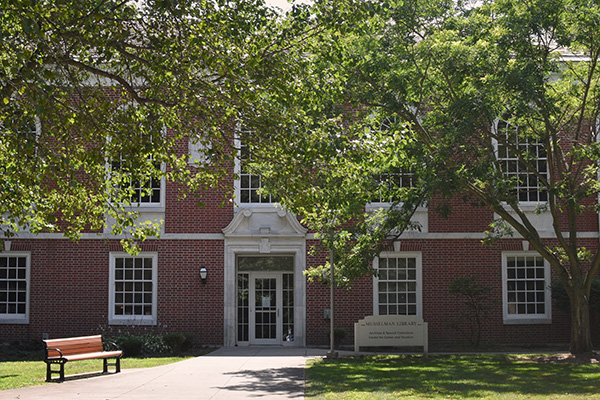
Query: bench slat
(71, 346)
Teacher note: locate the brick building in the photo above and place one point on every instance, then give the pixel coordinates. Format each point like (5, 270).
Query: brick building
(255, 291)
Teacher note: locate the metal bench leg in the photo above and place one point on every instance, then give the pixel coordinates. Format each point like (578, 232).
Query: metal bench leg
(48, 372)
(117, 365)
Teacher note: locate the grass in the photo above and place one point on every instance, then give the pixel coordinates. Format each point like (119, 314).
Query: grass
(31, 370)
(449, 377)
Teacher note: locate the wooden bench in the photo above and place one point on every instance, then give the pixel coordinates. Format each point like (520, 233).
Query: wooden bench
(61, 351)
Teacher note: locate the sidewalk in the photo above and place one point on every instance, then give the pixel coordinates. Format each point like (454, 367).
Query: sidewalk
(227, 373)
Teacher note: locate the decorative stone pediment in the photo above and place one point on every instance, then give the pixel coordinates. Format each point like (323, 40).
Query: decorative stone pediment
(264, 223)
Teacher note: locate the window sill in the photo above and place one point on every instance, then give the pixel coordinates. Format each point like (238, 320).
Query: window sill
(132, 322)
(379, 205)
(528, 206)
(259, 205)
(14, 321)
(527, 321)
(146, 208)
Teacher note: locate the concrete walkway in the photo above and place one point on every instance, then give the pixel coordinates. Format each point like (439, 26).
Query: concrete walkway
(227, 373)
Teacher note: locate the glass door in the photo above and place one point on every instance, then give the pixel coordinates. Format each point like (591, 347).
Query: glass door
(265, 300)
(266, 310)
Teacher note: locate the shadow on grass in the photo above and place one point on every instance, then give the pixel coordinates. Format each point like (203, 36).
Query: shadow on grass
(459, 376)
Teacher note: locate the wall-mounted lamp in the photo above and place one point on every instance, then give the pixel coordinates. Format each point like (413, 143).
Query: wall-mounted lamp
(203, 274)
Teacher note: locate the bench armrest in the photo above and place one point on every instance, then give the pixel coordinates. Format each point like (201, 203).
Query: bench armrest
(59, 352)
(113, 344)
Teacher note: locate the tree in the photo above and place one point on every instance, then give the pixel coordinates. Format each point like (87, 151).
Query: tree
(98, 97)
(483, 91)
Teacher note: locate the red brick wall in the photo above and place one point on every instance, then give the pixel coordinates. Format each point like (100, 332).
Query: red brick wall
(69, 289)
(442, 262)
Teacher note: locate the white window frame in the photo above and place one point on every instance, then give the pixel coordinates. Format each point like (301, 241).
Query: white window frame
(238, 183)
(510, 318)
(401, 173)
(528, 203)
(114, 319)
(149, 206)
(19, 318)
(197, 152)
(419, 278)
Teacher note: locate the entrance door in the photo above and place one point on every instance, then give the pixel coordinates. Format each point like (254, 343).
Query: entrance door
(265, 300)
(265, 295)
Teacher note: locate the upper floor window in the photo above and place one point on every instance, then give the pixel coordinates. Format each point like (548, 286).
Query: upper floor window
(26, 132)
(249, 185)
(528, 185)
(14, 288)
(146, 191)
(388, 183)
(397, 178)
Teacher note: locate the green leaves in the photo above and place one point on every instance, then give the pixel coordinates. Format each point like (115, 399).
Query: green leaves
(119, 81)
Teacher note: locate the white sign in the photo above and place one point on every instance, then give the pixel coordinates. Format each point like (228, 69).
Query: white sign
(390, 331)
(266, 301)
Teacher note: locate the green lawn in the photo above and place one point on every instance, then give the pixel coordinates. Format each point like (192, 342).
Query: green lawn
(449, 377)
(17, 374)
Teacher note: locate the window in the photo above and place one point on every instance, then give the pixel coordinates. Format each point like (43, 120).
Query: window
(526, 288)
(14, 288)
(26, 132)
(528, 187)
(249, 184)
(133, 289)
(143, 192)
(397, 178)
(389, 182)
(397, 288)
(199, 151)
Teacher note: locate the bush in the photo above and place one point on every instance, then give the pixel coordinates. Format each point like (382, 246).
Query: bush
(188, 344)
(339, 334)
(174, 341)
(131, 345)
(154, 344)
(477, 306)
(179, 342)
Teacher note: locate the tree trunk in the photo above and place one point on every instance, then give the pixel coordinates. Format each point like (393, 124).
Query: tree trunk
(581, 338)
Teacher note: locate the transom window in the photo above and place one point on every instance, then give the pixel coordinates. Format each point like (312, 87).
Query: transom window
(528, 186)
(133, 288)
(397, 286)
(14, 288)
(526, 287)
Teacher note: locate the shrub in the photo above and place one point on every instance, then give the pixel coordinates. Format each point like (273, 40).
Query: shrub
(339, 334)
(154, 344)
(477, 306)
(175, 341)
(131, 345)
(188, 344)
